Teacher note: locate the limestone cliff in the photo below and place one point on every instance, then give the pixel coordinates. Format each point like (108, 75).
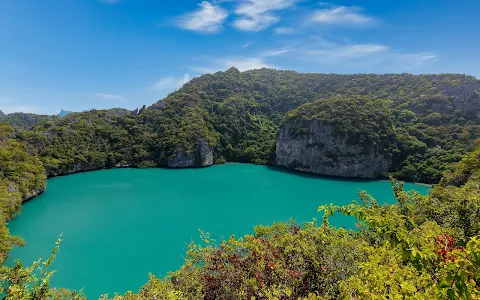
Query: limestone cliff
(465, 97)
(202, 156)
(16, 195)
(34, 193)
(345, 137)
(323, 151)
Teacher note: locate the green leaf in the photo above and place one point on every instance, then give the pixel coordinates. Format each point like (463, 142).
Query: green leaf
(451, 294)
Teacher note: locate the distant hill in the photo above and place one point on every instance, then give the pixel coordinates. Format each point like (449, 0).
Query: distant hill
(63, 113)
(20, 120)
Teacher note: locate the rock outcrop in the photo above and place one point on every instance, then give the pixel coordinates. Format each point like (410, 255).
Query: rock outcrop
(75, 168)
(202, 156)
(34, 193)
(465, 97)
(321, 150)
(15, 194)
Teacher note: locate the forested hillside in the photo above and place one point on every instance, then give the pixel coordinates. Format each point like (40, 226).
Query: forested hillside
(22, 176)
(414, 127)
(431, 121)
(435, 117)
(24, 120)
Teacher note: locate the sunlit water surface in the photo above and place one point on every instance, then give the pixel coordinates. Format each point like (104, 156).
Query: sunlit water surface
(119, 225)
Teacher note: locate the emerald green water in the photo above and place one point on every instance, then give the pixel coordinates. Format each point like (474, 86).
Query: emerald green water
(119, 225)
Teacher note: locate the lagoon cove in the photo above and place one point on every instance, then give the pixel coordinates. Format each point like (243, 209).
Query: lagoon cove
(119, 225)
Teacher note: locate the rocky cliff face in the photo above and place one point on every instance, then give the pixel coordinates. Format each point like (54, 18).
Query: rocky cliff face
(33, 194)
(465, 97)
(201, 157)
(322, 151)
(75, 168)
(15, 194)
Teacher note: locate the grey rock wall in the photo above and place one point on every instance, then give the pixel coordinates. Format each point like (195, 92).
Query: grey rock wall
(322, 151)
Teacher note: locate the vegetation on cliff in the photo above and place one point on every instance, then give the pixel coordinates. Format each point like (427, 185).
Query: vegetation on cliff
(435, 117)
(21, 176)
(88, 141)
(427, 121)
(22, 120)
(366, 120)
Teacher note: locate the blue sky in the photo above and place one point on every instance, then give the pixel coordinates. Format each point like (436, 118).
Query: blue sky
(82, 54)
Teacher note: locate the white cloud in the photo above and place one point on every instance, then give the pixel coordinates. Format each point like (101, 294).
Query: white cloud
(242, 64)
(255, 23)
(246, 45)
(415, 60)
(320, 42)
(207, 19)
(256, 15)
(277, 52)
(207, 70)
(171, 82)
(364, 56)
(258, 7)
(110, 96)
(341, 53)
(342, 15)
(284, 30)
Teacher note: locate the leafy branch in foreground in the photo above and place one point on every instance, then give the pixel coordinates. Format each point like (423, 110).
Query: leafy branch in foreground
(408, 259)
(33, 282)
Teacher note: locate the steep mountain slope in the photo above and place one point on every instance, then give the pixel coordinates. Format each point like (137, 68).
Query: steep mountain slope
(430, 121)
(22, 176)
(435, 118)
(347, 137)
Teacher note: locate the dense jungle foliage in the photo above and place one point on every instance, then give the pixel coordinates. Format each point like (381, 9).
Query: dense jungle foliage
(21, 177)
(434, 117)
(420, 248)
(427, 121)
